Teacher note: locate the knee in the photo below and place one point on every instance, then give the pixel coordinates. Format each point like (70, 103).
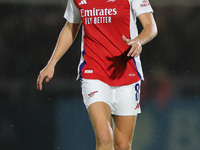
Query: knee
(122, 145)
(104, 139)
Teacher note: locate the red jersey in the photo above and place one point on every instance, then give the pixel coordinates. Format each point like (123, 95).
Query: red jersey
(104, 53)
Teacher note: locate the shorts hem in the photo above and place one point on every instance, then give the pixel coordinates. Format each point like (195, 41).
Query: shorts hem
(126, 114)
(87, 106)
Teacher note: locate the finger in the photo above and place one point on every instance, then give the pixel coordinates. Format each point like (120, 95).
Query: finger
(134, 53)
(131, 51)
(139, 52)
(47, 79)
(125, 39)
(40, 86)
(39, 82)
(128, 41)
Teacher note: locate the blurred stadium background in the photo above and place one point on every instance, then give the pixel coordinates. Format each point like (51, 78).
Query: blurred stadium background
(55, 119)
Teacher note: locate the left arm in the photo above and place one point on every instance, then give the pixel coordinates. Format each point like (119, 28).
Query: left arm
(148, 33)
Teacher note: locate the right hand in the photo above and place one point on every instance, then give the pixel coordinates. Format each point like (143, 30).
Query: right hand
(45, 75)
(136, 47)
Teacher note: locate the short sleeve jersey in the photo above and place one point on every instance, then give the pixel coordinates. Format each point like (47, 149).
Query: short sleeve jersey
(103, 52)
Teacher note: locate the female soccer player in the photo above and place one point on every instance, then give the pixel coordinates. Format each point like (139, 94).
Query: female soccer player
(110, 68)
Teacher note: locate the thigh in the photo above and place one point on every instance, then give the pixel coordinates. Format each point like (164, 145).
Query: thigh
(100, 116)
(124, 127)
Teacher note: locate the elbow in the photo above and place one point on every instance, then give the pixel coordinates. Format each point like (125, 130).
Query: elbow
(155, 30)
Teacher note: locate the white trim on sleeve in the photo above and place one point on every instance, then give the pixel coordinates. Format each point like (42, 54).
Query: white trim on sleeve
(72, 13)
(141, 6)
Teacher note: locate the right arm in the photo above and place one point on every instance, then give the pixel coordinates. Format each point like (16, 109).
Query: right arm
(64, 42)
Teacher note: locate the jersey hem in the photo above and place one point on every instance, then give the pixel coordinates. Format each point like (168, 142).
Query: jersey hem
(110, 83)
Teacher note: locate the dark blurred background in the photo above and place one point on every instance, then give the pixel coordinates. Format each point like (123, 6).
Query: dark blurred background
(56, 119)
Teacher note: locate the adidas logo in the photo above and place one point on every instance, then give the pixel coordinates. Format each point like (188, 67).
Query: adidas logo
(137, 106)
(83, 2)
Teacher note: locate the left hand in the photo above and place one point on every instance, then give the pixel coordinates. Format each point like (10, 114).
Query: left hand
(136, 47)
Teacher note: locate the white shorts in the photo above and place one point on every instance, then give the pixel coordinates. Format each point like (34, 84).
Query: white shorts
(123, 100)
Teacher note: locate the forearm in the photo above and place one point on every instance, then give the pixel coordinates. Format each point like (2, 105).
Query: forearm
(147, 34)
(64, 42)
(149, 29)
